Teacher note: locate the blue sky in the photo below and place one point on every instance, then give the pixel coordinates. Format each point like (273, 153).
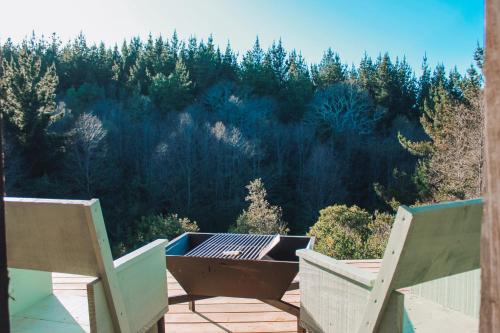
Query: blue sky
(446, 30)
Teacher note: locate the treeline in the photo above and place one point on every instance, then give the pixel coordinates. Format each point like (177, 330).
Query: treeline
(164, 126)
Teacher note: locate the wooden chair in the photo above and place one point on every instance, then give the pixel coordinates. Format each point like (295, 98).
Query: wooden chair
(68, 236)
(426, 243)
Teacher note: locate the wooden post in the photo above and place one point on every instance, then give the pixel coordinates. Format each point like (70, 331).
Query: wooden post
(192, 306)
(4, 278)
(490, 244)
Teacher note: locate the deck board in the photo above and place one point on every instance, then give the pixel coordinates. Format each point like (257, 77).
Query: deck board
(214, 315)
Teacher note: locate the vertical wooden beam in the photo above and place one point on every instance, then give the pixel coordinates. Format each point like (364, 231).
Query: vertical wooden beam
(4, 278)
(490, 244)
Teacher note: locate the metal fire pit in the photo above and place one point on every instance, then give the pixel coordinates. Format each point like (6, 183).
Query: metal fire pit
(234, 265)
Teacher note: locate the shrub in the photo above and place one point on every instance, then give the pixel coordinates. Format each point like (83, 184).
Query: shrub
(163, 226)
(346, 232)
(380, 229)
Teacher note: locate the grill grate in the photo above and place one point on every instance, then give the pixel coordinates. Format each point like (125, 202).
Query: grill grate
(235, 246)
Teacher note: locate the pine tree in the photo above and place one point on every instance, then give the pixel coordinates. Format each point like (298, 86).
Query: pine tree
(329, 71)
(229, 65)
(450, 162)
(172, 92)
(29, 107)
(366, 75)
(276, 66)
(298, 89)
(424, 85)
(260, 217)
(254, 73)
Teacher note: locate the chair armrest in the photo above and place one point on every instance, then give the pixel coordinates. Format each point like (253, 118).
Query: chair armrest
(140, 254)
(142, 278)
(333, 295)
(338, 267)
(142, 275)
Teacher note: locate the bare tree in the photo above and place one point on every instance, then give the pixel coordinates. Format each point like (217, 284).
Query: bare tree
(346, 107)
(86, 154)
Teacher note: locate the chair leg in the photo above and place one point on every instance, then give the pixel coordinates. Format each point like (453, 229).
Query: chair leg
(160, 324)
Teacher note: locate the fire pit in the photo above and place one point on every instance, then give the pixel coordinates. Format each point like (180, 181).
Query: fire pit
(234, 265)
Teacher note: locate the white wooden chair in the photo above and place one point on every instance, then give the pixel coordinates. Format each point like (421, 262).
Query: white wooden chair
(69, 236)
(426, 243)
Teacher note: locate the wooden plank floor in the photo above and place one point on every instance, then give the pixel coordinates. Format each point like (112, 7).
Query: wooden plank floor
(224, 314)
(215, 315)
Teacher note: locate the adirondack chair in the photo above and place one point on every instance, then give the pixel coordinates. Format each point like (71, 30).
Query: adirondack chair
(426, 243)
(68, 236)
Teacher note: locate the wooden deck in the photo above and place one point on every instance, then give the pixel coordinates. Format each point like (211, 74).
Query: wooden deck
(220, 314)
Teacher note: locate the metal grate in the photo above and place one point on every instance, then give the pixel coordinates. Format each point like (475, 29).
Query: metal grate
(235, 246)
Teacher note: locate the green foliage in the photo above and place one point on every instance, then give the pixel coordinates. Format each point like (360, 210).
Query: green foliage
(329, 71)
(260, 217)
(29, 106)
(450, 164)
(379, 232)
(187, 125)
(402, 189)
(172, 92)
(169, 226)
(346, 232)
(81, 98)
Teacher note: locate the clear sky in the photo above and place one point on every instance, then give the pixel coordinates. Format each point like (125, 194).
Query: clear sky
(446, 30)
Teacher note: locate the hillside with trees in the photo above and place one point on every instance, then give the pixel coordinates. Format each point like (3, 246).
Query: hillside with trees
(167, 132)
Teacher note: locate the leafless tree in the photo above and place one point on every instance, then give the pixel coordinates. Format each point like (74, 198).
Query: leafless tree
(86, 154)
(346, 107)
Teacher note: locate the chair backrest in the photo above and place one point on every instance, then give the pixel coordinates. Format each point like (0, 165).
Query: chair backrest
(442, 240)
(53, 235)
(426, 243)
(66, 236)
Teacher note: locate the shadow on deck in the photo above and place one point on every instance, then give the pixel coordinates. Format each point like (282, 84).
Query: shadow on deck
(213, 315)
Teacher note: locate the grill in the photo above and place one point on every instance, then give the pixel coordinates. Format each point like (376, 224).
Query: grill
(234, 265)
(235, 246)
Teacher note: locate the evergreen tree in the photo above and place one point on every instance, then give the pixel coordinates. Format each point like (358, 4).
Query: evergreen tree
(29, 107)
(229, 64)
(424, 85)
(298, 89)
(450, 163)
(329, 71)
(260, 217)
(366, 74)
(275, 64)
(479, 56)
(254, 73)
(172, 92)
(385, 85)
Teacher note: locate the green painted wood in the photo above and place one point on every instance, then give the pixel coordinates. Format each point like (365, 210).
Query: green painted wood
(142, 280)
(104, 262)
(443, 240)
(71, 310)
(128, 295)
(27, 287)
(329, 301)
(426, 243)
(460, 292)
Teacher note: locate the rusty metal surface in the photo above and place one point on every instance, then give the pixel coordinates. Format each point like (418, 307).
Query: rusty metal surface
(266, 278)
(232, 278)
